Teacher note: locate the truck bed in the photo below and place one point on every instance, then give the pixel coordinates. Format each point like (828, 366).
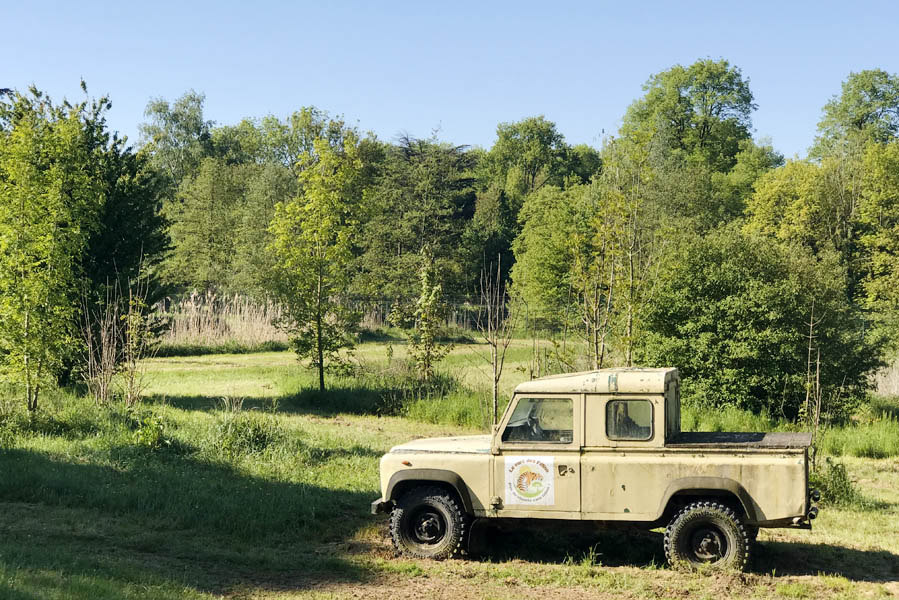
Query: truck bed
(727, 439)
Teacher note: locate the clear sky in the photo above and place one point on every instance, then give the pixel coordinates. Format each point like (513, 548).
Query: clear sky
(459, 66)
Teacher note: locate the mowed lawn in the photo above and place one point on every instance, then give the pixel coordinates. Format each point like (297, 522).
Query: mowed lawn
(90, 509)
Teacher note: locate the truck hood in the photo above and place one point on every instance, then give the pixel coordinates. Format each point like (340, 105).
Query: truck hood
(467, 444)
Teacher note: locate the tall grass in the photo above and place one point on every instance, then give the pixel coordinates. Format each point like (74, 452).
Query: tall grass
(875, 439)
(207, 323)
(727, 418)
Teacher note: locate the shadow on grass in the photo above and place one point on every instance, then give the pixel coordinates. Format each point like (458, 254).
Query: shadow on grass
(561, 542)
(333, 402)
(799, 558)
(172, 350)
(566, 542)
(172, 522)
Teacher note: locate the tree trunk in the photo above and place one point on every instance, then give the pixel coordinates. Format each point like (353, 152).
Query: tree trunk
(495, 382)
(318, 336)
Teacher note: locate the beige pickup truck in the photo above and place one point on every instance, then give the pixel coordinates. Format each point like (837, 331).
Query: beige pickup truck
(599, 446)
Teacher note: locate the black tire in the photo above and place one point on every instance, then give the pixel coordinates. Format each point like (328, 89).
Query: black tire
(428, 522)
(707, 533)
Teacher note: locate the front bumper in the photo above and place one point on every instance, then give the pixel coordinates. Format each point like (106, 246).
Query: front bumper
(381, 506)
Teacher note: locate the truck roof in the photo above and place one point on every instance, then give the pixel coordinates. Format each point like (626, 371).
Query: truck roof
(623, 380)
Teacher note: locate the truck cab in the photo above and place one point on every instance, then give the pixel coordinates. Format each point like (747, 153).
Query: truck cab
(597, 446)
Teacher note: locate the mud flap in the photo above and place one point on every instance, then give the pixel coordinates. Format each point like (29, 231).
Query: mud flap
(480, 536)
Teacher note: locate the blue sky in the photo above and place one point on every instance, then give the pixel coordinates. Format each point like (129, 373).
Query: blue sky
(460, 66)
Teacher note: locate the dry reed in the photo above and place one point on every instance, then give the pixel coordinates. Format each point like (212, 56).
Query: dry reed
(212, 321)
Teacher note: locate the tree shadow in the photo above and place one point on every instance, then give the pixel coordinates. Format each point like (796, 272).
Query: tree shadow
(801, 558)
(170, 519)
(331, 403)
(565, 542)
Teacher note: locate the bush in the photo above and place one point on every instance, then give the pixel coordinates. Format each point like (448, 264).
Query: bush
(243, 433)
(150, 430)
(834, 484)
(732, 313)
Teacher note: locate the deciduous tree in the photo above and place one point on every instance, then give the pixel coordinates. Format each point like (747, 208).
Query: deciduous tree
(312, 239)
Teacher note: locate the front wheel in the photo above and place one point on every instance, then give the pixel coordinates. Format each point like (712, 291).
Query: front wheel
(707, 533)
(428, 522)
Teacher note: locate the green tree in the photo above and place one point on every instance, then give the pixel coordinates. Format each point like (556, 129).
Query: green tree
(815, 204)
(867, 110)
(312, 240)
(205, 218)
(51, 192)
(544, 254)
(132, 235)
(733, 312)
(424, 347)
(286, 141)
(418, 206)
(703, 111)
(177, 136)
(265, 186)
(527, 155)
(879, 220)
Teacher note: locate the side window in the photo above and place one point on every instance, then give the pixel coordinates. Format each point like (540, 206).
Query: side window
(629, 420)
(541, 420)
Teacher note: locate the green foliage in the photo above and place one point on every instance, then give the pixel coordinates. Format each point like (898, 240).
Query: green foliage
(702, 111)
(420, 200)
(728, 418)
(150, 430)
(527, 155)
(879, 218)
(424, 347)
(834, 484)
(733, 312)
(867, 110)
(285, 142)
(177, 136)
(876, 438)
(131, 237)
(205, 216)
(544, 256)
(51, 194)
(312, 239)
(813, 204)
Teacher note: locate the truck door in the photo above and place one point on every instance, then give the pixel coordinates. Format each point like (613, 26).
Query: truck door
(537, 468)
(618, 481)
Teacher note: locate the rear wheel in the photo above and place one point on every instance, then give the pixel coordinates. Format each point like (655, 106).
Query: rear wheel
(707, 533)
(428, 522)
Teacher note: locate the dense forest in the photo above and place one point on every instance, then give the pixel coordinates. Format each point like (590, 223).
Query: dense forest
(772, 284)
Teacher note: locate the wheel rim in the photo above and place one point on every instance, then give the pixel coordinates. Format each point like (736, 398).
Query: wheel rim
(708, 544)
(427, 527)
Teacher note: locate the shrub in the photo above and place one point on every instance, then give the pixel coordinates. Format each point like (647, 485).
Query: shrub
(834, 484)
(242, 433)
(149, 429)
(733, 314)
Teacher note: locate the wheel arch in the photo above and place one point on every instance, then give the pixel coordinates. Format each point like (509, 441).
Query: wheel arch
(688, 488)
(402, 481)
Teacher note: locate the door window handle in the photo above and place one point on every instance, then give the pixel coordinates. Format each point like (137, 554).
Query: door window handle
(565, 470)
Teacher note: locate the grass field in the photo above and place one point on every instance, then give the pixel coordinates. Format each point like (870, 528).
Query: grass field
(235, 480)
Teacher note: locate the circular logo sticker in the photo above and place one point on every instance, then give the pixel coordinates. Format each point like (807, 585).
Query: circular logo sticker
(529, 480)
